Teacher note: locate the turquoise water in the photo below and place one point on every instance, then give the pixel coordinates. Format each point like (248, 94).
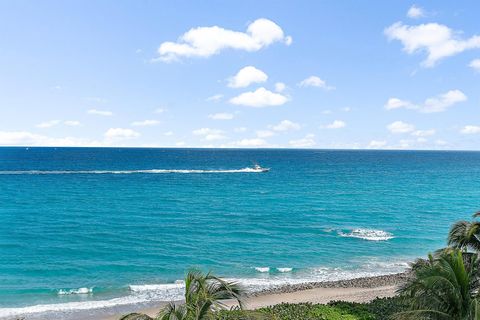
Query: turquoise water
(84, 229)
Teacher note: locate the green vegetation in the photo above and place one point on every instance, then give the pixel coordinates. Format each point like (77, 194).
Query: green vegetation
(378, 309)
(203, 295)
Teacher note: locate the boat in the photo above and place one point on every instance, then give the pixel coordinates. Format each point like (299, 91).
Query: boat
(259, 168)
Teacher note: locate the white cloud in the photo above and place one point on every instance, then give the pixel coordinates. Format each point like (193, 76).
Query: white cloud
(395, 103)
(246, 76)
(470, 129)
(72, 123)
(337, 124)
(25, 138)
(168, 133)
(240, 129)
(145, 123)
(221, 116)
(415, 12)
(307, 141)
(475, 65)
(400, 127)
(53, 123)
(259, 98)
(265, 133)
(280, 86)
(377, 144)
(314, 81)
(209, 134)
(215, 98)
(441, 142)
(48, 124)
(255, 142)
(207, 41)
(120, 133)
(443, 101)
(439, 103)
(424, 133)
(327, 112)
(100, 112)
(439, 41)
(286, 125)
(159, 110)
(346, 109)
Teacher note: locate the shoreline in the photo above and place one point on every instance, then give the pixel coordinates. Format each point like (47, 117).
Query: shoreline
(362, 289)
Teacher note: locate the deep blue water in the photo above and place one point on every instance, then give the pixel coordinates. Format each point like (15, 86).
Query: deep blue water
(68, 222)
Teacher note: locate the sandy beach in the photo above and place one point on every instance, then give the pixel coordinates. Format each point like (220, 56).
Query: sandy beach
(354, 290)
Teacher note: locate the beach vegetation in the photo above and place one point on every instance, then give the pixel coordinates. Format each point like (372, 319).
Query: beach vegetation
(204, 293)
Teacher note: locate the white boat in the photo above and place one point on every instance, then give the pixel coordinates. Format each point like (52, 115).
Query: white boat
(258, 168)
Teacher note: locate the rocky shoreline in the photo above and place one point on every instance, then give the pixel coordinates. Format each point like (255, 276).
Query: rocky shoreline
(365, 282)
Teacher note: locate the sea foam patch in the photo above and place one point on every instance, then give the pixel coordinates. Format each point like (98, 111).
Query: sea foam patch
(75, 291)
(367, 234)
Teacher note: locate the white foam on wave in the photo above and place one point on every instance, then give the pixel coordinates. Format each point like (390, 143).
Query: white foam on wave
(75, 291)
(148, 293)
(284, 269)
(368, 234)
(148, 171)
(262, 269)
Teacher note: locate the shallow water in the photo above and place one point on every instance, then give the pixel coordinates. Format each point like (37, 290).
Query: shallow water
(84, 228)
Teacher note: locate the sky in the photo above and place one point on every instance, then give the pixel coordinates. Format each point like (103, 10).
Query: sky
(240, 74)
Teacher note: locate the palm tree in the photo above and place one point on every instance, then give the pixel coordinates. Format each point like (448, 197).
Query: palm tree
(444, 287)
(203, 293)
(465, 235)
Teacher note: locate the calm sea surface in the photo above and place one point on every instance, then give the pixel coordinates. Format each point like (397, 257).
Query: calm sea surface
(89, 229)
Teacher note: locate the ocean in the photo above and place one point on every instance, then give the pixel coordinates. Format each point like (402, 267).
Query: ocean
(95, 230)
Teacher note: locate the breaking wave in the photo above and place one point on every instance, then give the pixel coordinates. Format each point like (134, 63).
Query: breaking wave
(148, 171)
(149, 294)
(368, 234)
(75, 291)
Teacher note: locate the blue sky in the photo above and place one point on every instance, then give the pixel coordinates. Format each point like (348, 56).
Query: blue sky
(304, 74)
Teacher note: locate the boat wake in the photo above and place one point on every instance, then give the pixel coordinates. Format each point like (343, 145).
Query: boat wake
(148, 171)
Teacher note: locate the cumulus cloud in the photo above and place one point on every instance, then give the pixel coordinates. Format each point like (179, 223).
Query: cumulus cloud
(145, 123)
(209, 134)
(415, 12)
(314, 81)
(207, 41)
(120, 134)
(437, 40)
(255, 142)
(475, 65)
(400, 127)
(439, 103)
(265, 133)
(104, 113)
(221, 116)
(280, 86)
(377, 144)
(470, 129)
(286, 125)
(259, 98)
(424, 133)
(337, 124)
(25, 138)
(307, 141)
(246, 76)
